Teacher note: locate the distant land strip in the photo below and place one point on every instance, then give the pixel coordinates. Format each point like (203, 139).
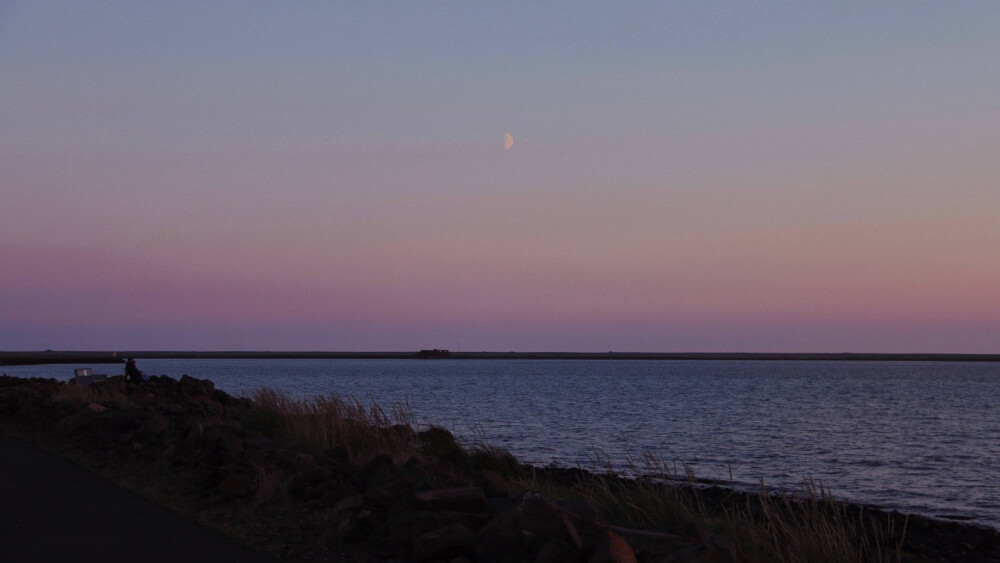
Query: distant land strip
(112, 357)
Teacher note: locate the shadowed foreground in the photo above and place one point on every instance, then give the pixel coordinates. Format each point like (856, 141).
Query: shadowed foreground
(55, 510)
(333, 479)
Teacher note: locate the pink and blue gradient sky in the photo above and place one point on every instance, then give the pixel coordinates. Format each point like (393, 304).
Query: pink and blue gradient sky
(693, 176)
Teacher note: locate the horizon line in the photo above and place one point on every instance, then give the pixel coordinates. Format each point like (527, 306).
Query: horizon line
(112, 356)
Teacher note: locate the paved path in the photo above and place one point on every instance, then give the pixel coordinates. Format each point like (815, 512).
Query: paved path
(54, 510)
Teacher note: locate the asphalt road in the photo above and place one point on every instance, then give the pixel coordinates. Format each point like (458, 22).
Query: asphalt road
(54, 510)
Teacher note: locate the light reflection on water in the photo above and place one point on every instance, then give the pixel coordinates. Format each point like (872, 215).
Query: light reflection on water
(916, 436)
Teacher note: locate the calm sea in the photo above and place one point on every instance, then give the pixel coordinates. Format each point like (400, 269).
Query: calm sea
(921, 437)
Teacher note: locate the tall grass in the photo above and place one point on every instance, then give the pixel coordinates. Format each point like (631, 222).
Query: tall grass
(809, 527)
(326, 422)
(323, 423)
(812, 526)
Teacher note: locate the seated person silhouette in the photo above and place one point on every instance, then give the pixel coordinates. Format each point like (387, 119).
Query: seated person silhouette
(133, 373)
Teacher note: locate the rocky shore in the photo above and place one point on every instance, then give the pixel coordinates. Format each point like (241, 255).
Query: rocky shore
(206, 455)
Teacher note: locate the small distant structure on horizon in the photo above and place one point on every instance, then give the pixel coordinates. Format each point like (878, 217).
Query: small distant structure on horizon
(435, 353)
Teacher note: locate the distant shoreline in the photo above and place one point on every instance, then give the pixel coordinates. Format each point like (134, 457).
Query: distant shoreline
(110, 357)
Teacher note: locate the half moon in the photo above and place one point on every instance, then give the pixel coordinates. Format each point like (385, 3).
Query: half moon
(508, 141)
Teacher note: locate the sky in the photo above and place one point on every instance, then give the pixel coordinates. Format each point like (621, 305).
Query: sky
(684, 177)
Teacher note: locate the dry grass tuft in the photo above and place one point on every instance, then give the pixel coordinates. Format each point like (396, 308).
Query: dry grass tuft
(810, 527)
(319, 424)
(323, 423)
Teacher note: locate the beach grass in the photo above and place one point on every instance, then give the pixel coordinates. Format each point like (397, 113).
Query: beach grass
(326, 422)
(367, 429)
(809, 526)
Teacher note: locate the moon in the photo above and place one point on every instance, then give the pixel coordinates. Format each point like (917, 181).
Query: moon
(508, 141)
